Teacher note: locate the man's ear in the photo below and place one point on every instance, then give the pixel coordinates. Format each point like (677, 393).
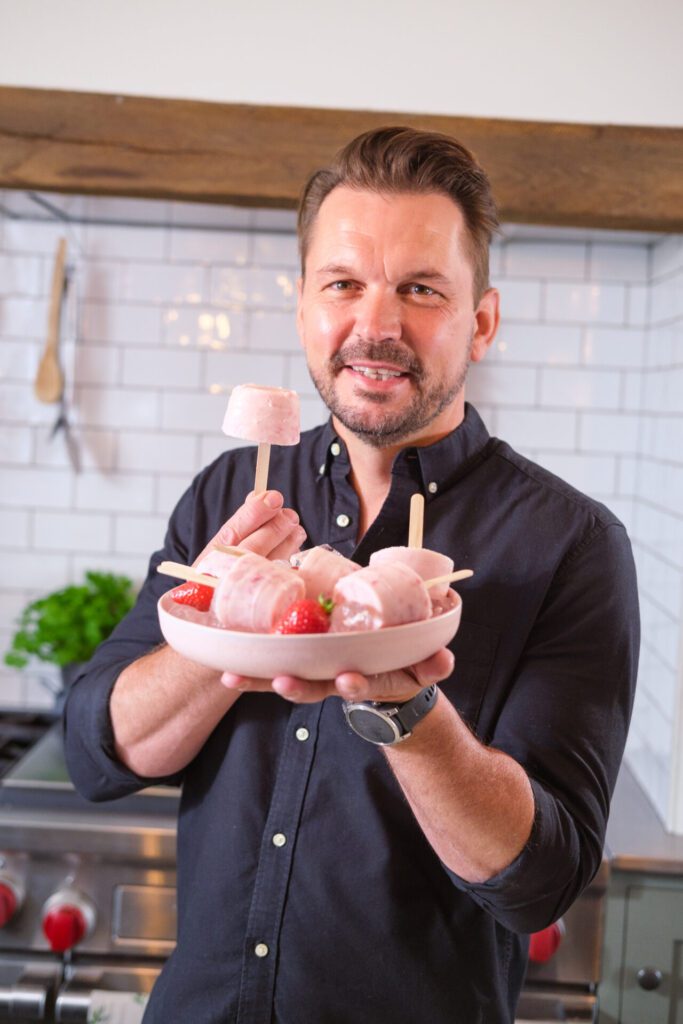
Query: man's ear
(486, 318)
(299, 308)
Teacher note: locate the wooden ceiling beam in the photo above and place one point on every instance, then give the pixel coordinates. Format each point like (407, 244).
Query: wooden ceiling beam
(603, 176)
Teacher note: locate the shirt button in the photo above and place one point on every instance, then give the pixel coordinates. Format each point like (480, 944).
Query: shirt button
(321, 471)
(279, 839)
(302, 733)
(343, 519)
(335, 448)
(261, 949)
(432, 487)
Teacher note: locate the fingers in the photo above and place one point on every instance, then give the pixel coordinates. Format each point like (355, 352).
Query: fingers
(303, 691)
(287, 548)
(299, 691)
(281, 534)
(257, 510)
(397, 686)
(262, 525)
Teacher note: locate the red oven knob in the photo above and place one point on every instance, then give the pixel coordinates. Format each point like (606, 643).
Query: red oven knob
(11, 897)
(8, 903)
(544, 944)
(67, 918)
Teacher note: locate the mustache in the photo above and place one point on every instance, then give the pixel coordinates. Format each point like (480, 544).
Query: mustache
(377, 352)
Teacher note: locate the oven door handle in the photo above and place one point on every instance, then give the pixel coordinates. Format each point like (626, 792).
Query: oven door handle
(23, 1002)
(78, 1006)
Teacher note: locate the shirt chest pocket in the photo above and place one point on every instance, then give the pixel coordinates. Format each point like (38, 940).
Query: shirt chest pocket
(474, 647)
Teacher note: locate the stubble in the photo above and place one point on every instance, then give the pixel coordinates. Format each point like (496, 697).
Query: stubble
(430, 396)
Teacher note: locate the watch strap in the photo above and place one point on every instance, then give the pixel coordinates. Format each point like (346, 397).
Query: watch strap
(413, 710)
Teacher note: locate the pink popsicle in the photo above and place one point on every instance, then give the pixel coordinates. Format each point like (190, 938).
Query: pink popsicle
(254, 593)
(320, 568)
(262, 414)
(379, 596)
(428, 564)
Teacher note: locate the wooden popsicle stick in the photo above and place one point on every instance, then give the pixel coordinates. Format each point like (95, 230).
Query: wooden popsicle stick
(451, 577)
(416, 523)
(186, 572)
(262, 461)
(227, 549)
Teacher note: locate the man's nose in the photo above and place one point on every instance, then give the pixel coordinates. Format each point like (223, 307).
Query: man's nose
(378, 316)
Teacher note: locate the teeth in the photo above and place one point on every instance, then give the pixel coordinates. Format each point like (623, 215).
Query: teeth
(376, 374)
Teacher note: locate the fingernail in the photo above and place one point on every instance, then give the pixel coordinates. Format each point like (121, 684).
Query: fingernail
(272, 499)
(290, 514)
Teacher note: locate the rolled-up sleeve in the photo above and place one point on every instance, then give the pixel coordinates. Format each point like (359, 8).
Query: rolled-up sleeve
(565, 721)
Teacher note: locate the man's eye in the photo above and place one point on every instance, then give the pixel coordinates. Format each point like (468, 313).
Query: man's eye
(421, 289)
(341, 286)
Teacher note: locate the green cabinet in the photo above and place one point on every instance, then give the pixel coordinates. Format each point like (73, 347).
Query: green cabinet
(642, 976)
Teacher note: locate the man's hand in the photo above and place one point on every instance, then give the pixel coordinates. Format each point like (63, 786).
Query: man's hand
(261, 525)
(164, 706)
(397, 686)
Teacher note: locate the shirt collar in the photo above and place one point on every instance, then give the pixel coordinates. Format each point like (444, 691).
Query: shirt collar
(440, 464)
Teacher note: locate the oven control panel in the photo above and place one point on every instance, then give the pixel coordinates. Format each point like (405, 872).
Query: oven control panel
(100, 907)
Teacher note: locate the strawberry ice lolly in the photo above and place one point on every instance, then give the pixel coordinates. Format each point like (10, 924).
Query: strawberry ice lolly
(257, 413)
(254, 593)
(320, 568)
(426, 563)
(265, 415)
(379, 596)
(215, 562)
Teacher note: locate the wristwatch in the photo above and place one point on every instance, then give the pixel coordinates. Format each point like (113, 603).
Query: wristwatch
(388, 724)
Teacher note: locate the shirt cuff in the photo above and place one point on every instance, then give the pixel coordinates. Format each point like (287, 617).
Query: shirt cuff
(543, 880)
(97, 773)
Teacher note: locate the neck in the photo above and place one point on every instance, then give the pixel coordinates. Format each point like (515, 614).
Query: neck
(371, 466)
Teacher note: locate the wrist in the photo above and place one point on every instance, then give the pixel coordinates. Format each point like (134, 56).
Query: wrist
(386, 723)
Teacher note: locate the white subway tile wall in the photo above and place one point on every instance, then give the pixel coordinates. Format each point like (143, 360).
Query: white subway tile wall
(655, 747)
(178, 302)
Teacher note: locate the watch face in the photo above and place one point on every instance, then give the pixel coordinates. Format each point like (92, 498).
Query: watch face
(372, 725)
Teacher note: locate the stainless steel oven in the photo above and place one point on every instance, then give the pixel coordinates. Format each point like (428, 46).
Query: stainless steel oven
(87, 894)
(565, 962)
(88, 904)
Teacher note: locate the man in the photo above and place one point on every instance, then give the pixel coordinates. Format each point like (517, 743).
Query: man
(324, 879)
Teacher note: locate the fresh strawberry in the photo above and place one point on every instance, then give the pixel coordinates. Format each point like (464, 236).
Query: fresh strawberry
(197, 595)
(306, 616)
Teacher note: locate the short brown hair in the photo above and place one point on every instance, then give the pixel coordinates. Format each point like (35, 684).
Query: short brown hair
(409, 160)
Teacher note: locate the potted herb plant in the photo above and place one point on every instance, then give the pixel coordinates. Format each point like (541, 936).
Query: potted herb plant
(64, 627)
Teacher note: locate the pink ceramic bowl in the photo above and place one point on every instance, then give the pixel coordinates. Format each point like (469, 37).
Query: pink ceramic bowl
(314, 656)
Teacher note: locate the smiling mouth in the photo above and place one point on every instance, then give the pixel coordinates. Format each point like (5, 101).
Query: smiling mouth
(376, 373)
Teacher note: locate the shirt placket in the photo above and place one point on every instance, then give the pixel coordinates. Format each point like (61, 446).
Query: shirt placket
(274, 866)
(345, 509)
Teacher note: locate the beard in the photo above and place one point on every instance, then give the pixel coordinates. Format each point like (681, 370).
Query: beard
(429, 399)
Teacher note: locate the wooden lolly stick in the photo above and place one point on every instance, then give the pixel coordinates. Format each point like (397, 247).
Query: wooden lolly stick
(185, 572)
(451, 577)
(262, 461)
(227, 549)
(416, 523)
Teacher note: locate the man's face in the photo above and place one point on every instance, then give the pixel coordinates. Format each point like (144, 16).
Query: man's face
(386, 314)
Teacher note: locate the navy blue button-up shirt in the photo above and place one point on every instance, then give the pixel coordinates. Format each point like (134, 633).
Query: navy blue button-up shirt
(307, 893)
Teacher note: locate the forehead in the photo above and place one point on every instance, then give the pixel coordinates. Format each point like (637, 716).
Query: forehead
(361, 223)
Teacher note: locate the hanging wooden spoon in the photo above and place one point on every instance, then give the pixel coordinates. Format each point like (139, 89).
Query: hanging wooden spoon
(49, 382)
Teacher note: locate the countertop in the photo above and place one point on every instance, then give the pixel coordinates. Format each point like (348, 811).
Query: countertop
(636, 838)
